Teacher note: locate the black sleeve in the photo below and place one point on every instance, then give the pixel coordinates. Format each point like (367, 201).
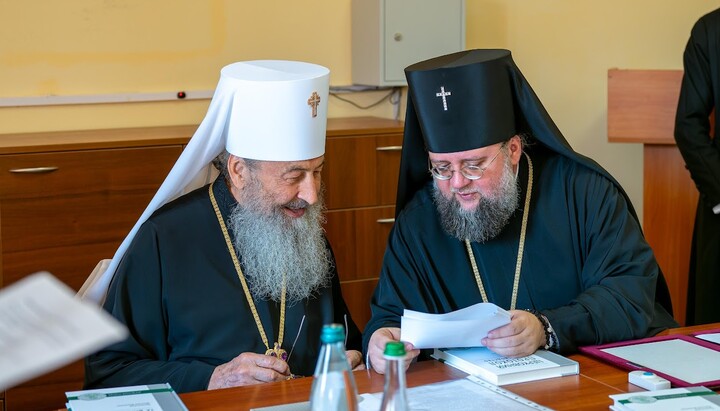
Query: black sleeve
(135, 299)
(696, 103)
(619, 273)
(398, 286)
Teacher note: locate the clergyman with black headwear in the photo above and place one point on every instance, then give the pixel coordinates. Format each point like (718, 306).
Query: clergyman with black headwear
(494, 206)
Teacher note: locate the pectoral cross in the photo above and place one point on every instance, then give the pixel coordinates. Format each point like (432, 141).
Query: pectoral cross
(314, 102)
(443, 94)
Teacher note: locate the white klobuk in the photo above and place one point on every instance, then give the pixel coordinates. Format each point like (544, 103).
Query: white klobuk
(269, 110)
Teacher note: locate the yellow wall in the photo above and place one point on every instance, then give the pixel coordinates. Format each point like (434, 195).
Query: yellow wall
(564, 48)
(80, 47)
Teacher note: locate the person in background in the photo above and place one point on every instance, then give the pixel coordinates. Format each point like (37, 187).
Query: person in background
(231, 283)
(495, 206)
(699, 96)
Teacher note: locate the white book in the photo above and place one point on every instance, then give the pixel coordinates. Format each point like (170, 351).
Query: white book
(155, 397)
(499, 370)
(686, 398)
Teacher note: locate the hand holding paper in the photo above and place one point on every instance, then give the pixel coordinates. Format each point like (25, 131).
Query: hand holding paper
(462, 328)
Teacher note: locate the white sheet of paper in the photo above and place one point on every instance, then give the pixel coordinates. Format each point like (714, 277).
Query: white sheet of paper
(456, 395)
(43, 327)
(469, 393)
(712, 337)
(460, 328)
(678, 358)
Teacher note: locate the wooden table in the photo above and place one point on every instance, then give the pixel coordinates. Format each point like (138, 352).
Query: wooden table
(587, 391)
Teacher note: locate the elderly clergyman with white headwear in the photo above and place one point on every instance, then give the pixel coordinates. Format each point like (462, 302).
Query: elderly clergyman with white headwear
(231, 283)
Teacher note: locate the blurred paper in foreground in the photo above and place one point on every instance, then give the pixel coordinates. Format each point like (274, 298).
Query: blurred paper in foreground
(43, 326)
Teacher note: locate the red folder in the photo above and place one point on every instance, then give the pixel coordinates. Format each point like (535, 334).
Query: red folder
(600, 352)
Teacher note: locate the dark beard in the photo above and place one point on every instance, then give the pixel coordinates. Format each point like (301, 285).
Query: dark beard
(271, 244)
(489, 217)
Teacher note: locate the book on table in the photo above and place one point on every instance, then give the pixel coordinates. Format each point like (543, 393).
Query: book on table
(499, 370)
(155, 397)
(683, 398)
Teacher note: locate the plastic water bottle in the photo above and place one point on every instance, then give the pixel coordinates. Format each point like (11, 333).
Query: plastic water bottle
(394, 393)
(334, 386)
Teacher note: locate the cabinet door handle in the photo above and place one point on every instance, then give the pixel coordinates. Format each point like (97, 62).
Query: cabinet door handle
(385, 221)
(389, 148)
(33, 170)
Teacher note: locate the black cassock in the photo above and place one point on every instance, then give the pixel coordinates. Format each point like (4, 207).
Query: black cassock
(586, 264)
(178, 292)
(699, 95)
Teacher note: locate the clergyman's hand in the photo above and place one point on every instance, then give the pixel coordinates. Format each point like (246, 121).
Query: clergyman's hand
(522, 337)
(376, 348)
(355, 360)
(249, 368)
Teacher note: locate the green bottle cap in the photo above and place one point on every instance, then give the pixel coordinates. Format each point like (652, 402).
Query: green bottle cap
(332, 333)
(395, 349)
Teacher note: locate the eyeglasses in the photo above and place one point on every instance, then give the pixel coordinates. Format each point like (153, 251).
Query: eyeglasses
(471, 172)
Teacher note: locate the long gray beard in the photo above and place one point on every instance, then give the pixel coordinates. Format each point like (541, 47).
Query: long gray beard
(272, 244)
(488, 218)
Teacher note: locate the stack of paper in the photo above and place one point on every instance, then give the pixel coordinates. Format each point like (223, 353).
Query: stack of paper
(461, 328)
(156, 397)
(690, 398)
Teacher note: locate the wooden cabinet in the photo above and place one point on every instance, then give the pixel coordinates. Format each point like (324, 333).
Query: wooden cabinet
(641, 109)
(362, 160)
(66, 220)
(67, 199)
